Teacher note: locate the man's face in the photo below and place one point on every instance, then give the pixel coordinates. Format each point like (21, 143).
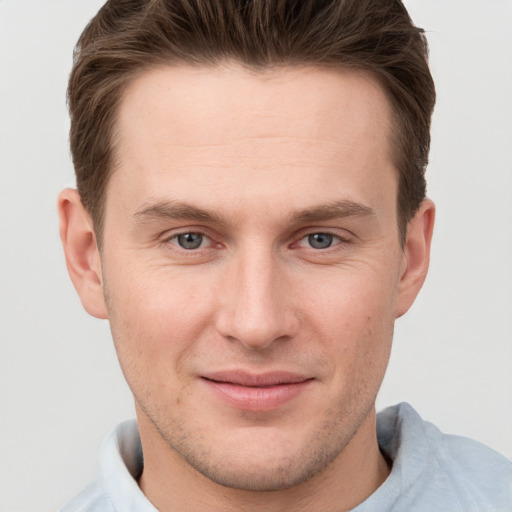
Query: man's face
(251, 265)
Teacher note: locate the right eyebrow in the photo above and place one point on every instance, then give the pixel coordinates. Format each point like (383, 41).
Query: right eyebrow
(175, 210)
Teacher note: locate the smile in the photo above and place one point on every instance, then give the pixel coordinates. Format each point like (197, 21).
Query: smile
(256, 393)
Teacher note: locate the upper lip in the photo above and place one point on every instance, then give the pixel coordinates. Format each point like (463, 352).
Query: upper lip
(244, 378)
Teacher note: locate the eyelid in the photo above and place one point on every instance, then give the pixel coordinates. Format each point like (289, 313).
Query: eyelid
(343, 235)
(170, 237)
(337, 240)
(204, 240)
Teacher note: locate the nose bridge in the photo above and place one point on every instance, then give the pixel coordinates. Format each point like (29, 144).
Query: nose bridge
(255, 310)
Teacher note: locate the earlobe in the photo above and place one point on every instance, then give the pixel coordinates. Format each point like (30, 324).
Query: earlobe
(416, 254)
(81, 252)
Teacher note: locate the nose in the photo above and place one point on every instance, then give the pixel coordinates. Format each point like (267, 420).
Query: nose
(256, 303)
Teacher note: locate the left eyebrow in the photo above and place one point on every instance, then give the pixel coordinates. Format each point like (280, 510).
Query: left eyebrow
(335, 210)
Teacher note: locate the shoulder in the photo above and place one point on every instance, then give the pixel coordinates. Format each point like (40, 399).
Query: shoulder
(115, 487)
(474, 469)
(91, 499)
(443, 470)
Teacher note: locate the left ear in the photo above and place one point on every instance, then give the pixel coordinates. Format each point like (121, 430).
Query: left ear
(416, 256)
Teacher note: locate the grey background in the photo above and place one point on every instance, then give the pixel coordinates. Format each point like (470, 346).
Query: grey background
(60, 386)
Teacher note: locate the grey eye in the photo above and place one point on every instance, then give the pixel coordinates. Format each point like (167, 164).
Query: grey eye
(320, 240)
(190, 240)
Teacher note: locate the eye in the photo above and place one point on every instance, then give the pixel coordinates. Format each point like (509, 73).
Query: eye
(321, 240)
(190, 241)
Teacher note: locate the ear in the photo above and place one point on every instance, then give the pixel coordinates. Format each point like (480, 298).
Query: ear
(81, 251)
(416, 256)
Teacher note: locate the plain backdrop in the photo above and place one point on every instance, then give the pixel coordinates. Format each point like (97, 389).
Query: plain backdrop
(60, 386)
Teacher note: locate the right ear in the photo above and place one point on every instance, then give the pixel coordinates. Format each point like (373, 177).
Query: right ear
(81, 251)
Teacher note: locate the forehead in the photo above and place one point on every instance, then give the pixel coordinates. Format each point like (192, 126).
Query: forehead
(257, 134)
(191, 101)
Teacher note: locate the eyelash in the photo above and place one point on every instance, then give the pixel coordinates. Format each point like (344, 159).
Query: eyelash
(173, 240)
(337, 240)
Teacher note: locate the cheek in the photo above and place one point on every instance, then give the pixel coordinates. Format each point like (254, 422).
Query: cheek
(354, 317)
(351, 300)
(155, 319)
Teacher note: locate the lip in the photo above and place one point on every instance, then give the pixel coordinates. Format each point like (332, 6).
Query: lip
(256, 392)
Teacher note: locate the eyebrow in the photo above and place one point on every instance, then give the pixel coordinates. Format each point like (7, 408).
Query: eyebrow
(176, 210)
(335, 210)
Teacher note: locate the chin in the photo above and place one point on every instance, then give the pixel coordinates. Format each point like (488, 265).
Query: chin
(260, 458)
(264, 475)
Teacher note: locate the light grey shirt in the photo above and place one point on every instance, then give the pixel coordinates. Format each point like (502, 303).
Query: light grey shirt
(432, 471)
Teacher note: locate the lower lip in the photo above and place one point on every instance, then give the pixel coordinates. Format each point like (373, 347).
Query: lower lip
(257, 399)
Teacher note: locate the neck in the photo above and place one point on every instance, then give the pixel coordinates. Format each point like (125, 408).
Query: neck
(173, 485)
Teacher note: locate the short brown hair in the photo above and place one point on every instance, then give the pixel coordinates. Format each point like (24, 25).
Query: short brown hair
(127, 37)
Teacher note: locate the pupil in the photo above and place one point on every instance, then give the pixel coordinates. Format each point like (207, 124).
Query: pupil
(320, 240)
(190, 240)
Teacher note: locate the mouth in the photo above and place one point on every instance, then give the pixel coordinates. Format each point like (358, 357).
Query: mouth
(256, 392)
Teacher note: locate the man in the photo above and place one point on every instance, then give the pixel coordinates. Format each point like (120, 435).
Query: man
(251, 218)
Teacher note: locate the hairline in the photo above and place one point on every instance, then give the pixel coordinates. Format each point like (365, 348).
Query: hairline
(394, 127)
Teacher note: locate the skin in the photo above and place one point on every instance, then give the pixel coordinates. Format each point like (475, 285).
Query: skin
(255, 164)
